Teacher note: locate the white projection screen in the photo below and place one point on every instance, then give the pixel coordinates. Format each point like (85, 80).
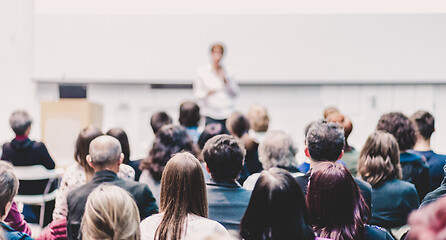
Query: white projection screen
(295, 48)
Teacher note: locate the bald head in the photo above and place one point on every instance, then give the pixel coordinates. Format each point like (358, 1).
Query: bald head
(105, 151)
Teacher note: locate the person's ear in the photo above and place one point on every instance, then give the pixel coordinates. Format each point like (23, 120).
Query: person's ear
(307, 153)
(89, 161)
(7, 208)
(341, 155)
(121, 158)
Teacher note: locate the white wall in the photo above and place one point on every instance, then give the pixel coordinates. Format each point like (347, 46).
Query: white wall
(17, 91)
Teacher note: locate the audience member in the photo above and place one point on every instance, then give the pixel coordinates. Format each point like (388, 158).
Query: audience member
(22, 151)
(184, 206)
(227, 200)
(392, 198)
(428, 222)
(238, 126)
(325, 142)
(158, 120)
(276, 150)
(414, 165)
(215, 88)
(9, 189)
(434, 195)
(110, 213)
(210, 130)
(424, 124)
(104, 157)
(330, 110)
(190, 119)
(276, 210)
(350, 154)
(337, 209)
(119, 134)
(80, 172)
(169, 140)
(259, 122)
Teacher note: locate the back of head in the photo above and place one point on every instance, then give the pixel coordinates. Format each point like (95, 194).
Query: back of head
(336, 206)
(110, 213)
(211, 130)
(330, 110)
(424, 124)
(158, 120)
(400, 127)
(379, 160)
(237, 124)
(278, 150)
(325, 141)
(345, 122)
(189, 114)
(276, 210)
(20, 121)
(428, 222)
(170, 139)
(258, 118)
(183, 191)
(105, 151)
(224, 156)
(9, 186)
(82, 147)
(119, 134)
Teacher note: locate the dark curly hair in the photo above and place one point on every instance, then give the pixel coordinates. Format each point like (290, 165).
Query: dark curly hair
(169, 140)
(224, 155)
(400, 127)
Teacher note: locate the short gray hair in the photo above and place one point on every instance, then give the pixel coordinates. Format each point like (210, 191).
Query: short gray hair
(9, 183)
(105, 150)
(277, 150)
(20, 121)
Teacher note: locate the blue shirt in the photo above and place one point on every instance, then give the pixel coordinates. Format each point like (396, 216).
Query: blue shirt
(436, 164)
(12, 234)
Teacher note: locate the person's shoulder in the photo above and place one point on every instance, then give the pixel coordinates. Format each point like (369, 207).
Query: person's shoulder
(376, 233)
(11, 234)
(149, 225)
(250, 182)
(434, 195)
(203, 225)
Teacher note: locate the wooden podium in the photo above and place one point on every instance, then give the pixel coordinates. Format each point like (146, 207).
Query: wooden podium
(61, 124)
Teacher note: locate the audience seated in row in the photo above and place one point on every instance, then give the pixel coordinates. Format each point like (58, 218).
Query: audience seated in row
(169, 140)
(80, 172)
(337, 209)
(184, 207)
(22, 151)
(424, 124)
(325, 142)
(9, 189)
(227, 200)
(105, 157)
(259, 122)
(277, 150)
(110, 213)
(379, 165)
(414, 165)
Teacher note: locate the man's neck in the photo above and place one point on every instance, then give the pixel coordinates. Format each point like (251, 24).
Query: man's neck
(108, 168)
(422, 145)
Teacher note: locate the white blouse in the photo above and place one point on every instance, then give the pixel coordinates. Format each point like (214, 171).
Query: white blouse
(194, 226)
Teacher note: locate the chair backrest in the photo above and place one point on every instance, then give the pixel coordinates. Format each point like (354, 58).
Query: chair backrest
(36, 172)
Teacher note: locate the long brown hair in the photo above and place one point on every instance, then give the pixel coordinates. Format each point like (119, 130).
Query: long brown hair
(183, 191)
(379, 160)
(337, 209)
(81, 151)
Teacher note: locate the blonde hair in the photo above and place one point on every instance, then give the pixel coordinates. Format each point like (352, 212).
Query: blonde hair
(110, 213)
(379, 159)
(258, 118)
(183, 191)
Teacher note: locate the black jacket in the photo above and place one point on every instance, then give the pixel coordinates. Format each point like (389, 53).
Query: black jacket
(416, 171)
(78, 198)
(434, 195)
(28, 153)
